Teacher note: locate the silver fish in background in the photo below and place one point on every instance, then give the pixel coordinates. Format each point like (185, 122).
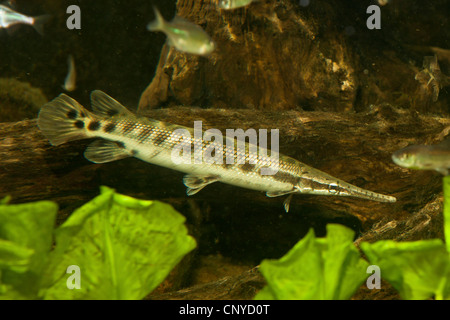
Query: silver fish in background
(9, 17)
(431, 76)
(425, 157)
(234, 4)
(183, 35)
(70, 81)
(124, 134)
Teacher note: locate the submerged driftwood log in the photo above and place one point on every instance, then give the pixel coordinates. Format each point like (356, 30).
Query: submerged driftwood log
(352, 147)
(279, 55)
(244, 223)
(245, 286)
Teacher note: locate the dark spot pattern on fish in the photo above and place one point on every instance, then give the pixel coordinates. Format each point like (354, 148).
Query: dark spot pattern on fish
(209, 179)
(112, 112)
(120, 144)
(160, 138)
(94, 125)
(144, 133)
(247, 167)
(285, 177)
(197, 181)
(79, 124)
(109, 127)
(72, 114)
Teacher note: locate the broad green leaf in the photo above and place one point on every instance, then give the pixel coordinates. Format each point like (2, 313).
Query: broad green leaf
(446, 187)
(418, 270)
(14, 257)
(316, 268)
(344, 270)
(26, 234)
(123, 247)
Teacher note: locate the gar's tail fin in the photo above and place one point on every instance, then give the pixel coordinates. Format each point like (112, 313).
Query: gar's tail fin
(39, 22)
(63, 119)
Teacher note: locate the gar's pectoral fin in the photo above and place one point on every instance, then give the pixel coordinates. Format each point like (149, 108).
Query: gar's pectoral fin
(287, 201)
(195, 183)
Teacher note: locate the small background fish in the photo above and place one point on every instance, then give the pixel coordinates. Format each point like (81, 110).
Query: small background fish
(425, 157)
(183, 35)
(70, 82)
(9, 18)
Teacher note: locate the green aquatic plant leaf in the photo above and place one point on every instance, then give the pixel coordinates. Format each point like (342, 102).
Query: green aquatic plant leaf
(316, 268)
(446, 188)
(25, 244)
(14, 257)
(417, 270)
(123, 248)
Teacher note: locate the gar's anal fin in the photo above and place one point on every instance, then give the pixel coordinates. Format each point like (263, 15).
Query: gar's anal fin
(287, 201)
(102, 151)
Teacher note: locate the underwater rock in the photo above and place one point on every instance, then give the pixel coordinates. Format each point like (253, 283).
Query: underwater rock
(19, 100)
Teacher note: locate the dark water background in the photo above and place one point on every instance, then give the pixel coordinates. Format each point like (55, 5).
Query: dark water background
(113, 51)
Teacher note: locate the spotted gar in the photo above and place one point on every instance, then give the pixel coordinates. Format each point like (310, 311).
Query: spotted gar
(124, 134)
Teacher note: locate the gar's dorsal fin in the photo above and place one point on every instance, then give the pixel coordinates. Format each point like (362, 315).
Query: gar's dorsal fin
(104, 105)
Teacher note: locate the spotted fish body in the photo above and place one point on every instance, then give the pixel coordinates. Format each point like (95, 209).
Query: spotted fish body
(125, 134)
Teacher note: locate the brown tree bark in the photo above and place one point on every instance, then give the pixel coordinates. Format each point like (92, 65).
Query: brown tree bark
(353, 147)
